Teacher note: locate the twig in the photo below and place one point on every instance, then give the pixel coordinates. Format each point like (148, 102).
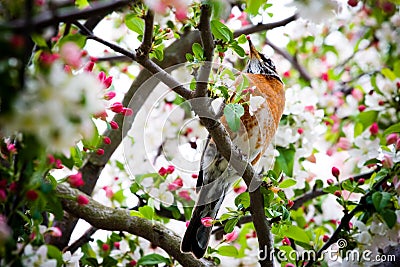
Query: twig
(85, 238)
(112, 219)
(344, 223)
(293, 60)
(264, 27)
(145, 47)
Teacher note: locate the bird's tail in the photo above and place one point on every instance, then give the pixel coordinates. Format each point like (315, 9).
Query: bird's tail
(197, 235)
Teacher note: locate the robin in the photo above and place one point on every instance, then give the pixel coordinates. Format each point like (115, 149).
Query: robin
(257, 128)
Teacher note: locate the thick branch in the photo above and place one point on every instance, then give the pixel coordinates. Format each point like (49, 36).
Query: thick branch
(111, 219)
(48, 18)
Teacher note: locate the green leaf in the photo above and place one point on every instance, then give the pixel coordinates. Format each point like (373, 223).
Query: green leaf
(388, 74)
(147, 212)
(232, 113)
(81, 4)
(230, 225)
(134, 23)
(39, 40)
(158, 52)
(197, 50)
(396, 68)
(287, 183)
(285, 161)
(381, 200)
(297, 233)
(78, 39)
(152, 259)
(253, 6)
(242, 39)
(189, 57)
(244, 199)
(238, 49)
(109, 262)
(229, 251)
(395, 128)
(389, 216)
(221, 31)
(135, 213)
(366, 118)
(54, 253)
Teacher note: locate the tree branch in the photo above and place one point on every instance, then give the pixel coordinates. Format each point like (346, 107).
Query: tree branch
(111, 219)
(264, 27)
(344, 223)
(208, 48)
(85, 238)
(293, 60)
(48, 18)
(145, 47)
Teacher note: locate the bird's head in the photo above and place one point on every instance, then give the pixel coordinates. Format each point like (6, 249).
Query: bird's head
(259, 64)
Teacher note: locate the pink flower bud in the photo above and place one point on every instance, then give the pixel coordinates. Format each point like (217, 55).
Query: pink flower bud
(185, 195)
(187, 223)
(337, 193)
(108, 81)
(162, 171)
(232, 236)
(109, 191)
(55, 231)
(117, 107)
(361, 181)
(114, 125)
(100, 151)
(127, 111)
(11, 148)
(82, 200)
(195, 176)
(89, 66)
(330, 181)
(335, 172)
(71, 54)
(325, 238)
(344, 143)
(286, 241)
(239, 189)
(374, 129)
(106, 140)
(361, 108)
(207, 221)
(75, 180)
(105, 247)
(32, 195)
(101, 76)
(392, 138)
(170, 169)
(290, 203)
(109, 95)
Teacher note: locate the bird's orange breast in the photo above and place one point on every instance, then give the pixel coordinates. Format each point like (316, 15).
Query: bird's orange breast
(259, 127)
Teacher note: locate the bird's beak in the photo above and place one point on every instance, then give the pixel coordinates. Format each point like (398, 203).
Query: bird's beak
(253, 51)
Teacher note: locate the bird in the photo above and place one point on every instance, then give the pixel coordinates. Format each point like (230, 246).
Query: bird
(257, 129)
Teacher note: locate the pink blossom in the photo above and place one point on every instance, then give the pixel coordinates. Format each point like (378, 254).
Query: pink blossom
(114, 125)
(392, 138)
(55, 231)
(82, 200)
(374, 129)
(387, 161)
(71, 54)
(109, 95)
(89, 66)
(162, 171)
(127, 112)
(11, 148)
(232, 236)
(178, 183)
(357, 94)
(335, 172)
(47, 58)
(207, 221)
(286, 241)
(344, 143)
(239, 189)
(75, 180)
(117, 107)
(108, 81)
(181, 14)
(185, 195)
(106, 140)
(109, 191)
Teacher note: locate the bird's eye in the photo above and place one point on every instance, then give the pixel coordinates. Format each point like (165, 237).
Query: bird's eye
(270, 63)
